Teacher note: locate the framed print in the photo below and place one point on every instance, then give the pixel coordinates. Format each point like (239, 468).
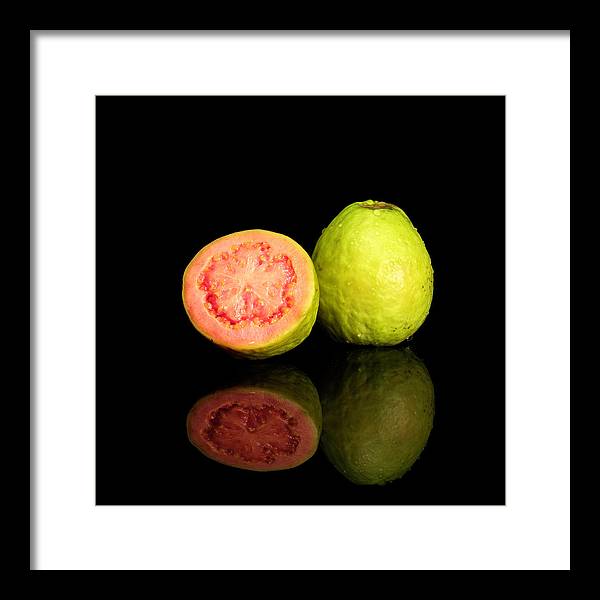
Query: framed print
(424, 176)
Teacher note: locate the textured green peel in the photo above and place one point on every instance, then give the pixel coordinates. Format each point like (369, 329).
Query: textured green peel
(375, 275)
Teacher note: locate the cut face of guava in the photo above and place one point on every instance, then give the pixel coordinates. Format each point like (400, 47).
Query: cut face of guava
(378, 408)
(254, 293)
(375, 275)
(269, 422)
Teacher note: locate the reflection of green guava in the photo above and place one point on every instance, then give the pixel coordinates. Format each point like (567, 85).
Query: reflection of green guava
(378, 411)
(375, 275)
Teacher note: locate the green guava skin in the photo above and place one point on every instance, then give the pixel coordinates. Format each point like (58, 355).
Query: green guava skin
(375, 275)
(378, 410)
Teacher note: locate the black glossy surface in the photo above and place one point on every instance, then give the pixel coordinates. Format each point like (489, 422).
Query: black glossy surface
(174, 174)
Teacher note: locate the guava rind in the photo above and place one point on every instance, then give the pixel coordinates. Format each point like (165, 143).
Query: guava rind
(375, 275)
(298, 331)
(286, 383)
(378, 410)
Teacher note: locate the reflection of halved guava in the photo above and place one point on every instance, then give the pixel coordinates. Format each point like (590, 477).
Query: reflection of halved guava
(269, 422)
(378, 411)
(375, 275)
(254, 293)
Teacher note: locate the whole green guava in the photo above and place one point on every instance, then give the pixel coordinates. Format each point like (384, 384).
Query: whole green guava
(375, 275)
(378, 409)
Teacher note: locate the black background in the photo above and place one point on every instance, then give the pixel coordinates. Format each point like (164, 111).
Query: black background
(174, 173)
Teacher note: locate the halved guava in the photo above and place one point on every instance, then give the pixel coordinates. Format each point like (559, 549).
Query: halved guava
(375, 275)
(271, 421)
(254, 293)
(378, 408)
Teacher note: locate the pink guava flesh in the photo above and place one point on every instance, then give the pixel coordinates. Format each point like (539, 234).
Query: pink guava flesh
(250, 429)
(248, 283)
